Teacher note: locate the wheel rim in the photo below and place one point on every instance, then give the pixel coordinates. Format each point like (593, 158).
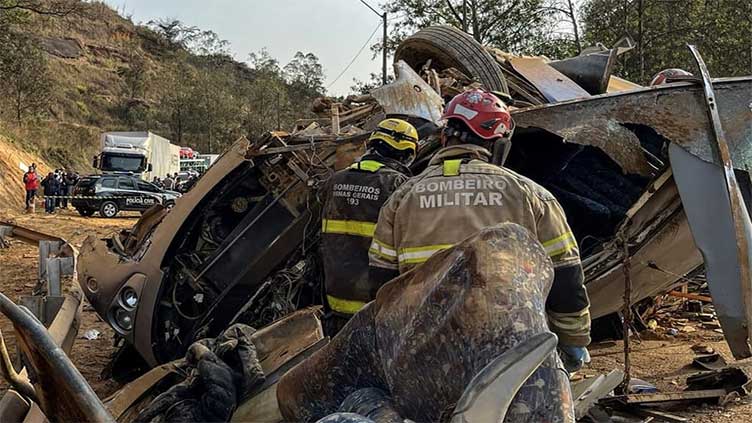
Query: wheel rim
(109, 210)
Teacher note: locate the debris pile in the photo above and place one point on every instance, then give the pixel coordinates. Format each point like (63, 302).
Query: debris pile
(241, 247)
(681, 311)
(599, 400)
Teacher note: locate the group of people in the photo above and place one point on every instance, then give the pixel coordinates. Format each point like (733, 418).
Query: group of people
(175, 183)
(379, 221)
(410, 342)
(460, 193)
(57, 187)
(168, 182)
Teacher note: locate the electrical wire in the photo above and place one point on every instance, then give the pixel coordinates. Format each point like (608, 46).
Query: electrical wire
(369, 6)
(355, 57)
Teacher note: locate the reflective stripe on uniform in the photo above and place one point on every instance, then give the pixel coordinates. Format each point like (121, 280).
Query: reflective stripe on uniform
(348, 227)
(344, 306)
(560, 245)
(452, 167)
(415, 255)
(382, 250)
(367, 165)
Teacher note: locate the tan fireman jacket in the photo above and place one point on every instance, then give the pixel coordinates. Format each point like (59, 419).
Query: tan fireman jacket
(459, 194)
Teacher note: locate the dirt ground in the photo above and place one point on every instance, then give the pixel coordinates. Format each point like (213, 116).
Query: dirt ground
(664, 362)
(18, 270)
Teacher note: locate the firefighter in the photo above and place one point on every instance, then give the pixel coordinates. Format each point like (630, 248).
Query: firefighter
(462, 192)
(670, 75)
(354, 197)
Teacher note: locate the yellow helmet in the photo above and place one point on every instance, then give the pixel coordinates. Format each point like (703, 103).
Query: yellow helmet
(398, 134)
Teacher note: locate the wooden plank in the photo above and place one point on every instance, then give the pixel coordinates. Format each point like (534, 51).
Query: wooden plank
(660, 415)
(616, 84)
(690, 296)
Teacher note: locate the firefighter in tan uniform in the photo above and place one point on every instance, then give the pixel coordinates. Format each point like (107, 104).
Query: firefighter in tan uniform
(354, 197)
(461, 192)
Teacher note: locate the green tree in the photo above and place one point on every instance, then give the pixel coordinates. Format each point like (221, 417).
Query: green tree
(59, 8)
(177, 34)
(178, 102)
(262, 62)
(265, 97)
(217, 122)
(722, 30)
(208, 43)
(24, 78)
(305, 74)
(512, 25)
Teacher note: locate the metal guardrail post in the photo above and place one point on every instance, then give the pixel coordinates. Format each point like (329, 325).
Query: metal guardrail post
(4, 232)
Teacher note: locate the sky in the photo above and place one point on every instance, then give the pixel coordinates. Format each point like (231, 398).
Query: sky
(334, 30)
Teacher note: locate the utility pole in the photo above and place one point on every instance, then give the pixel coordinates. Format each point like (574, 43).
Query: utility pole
(382, 15)
(383, 63)
(278, 123)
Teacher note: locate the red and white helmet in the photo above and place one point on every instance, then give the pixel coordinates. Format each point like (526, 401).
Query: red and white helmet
(484, 113)
(667, 75)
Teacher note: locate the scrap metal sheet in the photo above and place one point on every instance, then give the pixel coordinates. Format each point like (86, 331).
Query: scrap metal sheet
(676, 111)
(409, 95)
(554, 85)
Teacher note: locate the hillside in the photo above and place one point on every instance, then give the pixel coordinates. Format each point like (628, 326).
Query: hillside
(107, 73)
(12, 160)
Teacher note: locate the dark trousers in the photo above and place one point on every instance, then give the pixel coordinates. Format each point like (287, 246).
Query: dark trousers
(30, 194)
(333, 323)
(49, 204)
(64, 201)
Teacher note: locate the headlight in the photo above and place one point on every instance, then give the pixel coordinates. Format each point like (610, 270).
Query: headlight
(129, 297)
(123, 319)
(92, 284)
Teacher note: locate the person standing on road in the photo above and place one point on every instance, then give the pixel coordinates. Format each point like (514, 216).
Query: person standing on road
(73, 179)
(51, 188)
(31, 184)
(58, 189)
(168, 182)
(462, 192)
(63, 188)
(354, 197)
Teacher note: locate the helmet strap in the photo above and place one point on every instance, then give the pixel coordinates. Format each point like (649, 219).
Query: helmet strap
(501, 149)
(450, 135)
(384, 150)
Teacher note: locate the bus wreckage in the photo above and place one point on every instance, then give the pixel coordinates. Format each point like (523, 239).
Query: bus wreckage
(634, 168)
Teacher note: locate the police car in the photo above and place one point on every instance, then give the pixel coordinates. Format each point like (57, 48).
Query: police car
(110, 194)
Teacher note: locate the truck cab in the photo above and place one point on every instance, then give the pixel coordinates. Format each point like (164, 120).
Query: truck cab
(122, 159)
(144, 154)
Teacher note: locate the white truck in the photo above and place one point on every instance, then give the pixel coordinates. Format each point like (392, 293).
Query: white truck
(142, 153)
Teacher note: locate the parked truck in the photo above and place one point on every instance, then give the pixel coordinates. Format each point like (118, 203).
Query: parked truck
(142, 153)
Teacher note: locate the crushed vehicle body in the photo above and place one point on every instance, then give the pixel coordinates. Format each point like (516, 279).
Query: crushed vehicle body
(630, 165)
(249, 227)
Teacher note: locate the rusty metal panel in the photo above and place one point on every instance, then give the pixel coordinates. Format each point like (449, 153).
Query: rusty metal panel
(676, 111)
(72, 399)
(554, 85)
(591, 71)
(702, 184)
(409, 95)
(671, 249)
(742, 227)
(123, 399)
